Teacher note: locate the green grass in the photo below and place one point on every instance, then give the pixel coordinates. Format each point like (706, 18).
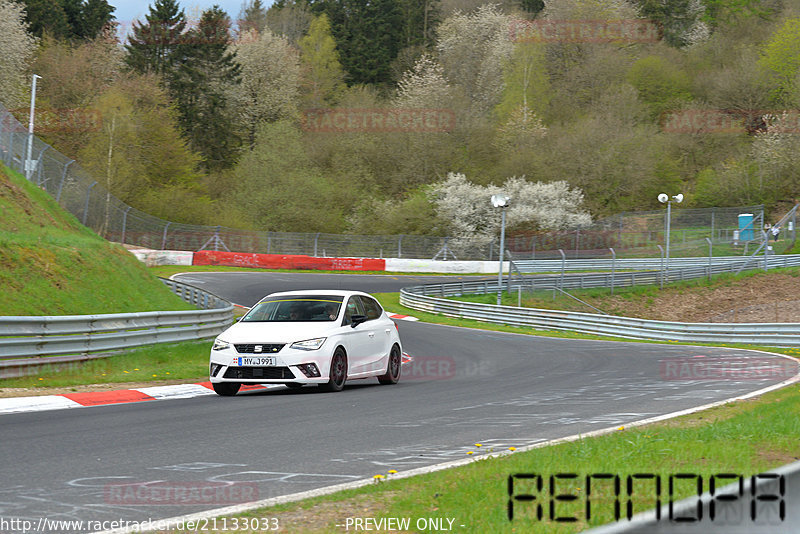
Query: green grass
(177, 361)
(50, 264)
(745, 438)
(543, 299)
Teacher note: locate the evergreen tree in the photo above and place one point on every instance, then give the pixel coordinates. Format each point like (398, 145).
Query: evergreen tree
(96, 15)
(200, 84)
(153, 45)
(253, 16)
(368, 33)
(420, 19)
(323, 78)
(46, 16)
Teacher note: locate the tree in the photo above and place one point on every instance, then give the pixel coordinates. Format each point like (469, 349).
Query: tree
(424, 87)
(781, 56)
(200, 87)
(18, 47)
(420, 19)
(472, 217)
(96, 17)
(270, 80)
(290, 18)
(68, 19)
(683, 21)
(252, 17)
(659, 83)
(323, 77)
(473, 49)
(368, 34)
(47, 16)
(526, 84)
(153, 45)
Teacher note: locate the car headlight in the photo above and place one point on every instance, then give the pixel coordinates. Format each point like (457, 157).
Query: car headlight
(309, 344)
(220, 345)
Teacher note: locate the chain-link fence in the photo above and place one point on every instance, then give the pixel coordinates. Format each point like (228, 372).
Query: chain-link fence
(630, 234)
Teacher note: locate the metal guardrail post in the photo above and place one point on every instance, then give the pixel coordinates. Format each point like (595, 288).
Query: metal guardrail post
(164, 238)
(661, 269)
(563, 268)
(613, 265)
(710, 255)
(86, 204)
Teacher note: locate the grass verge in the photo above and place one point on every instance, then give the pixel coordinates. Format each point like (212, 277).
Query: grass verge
(744, 437)
(186, 361)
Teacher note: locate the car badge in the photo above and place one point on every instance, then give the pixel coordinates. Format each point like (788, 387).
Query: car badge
(258, 348)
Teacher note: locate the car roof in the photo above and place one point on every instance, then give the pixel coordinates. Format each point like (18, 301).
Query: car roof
(332, 292)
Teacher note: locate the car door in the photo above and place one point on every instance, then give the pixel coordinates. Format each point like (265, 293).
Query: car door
(358, 339)
(378, 332)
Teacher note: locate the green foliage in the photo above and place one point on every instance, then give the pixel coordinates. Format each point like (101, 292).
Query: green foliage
(526, 81)
(368, 35)
(659, 83)
(781, 55)
(68, 19)
(323, 79)
(153, 45)
(199, 88)
(281, 189)
(52, 265)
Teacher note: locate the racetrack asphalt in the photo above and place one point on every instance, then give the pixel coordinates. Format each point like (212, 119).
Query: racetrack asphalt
(463, 387)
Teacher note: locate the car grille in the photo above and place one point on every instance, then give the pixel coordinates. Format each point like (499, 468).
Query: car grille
(268, 373)
(266, 348)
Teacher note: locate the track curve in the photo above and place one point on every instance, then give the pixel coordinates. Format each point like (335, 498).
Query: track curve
(463, 386)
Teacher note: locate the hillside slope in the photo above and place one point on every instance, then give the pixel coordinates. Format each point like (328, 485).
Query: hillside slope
(50, 264)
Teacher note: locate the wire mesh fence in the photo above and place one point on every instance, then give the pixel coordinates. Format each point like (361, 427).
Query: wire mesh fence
(635, 234)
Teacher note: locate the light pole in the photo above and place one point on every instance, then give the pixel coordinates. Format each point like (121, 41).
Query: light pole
(501, 201)
(28, 162)
(663, 197)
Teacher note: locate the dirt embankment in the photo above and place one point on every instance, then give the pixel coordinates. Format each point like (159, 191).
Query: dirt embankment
(762, 298)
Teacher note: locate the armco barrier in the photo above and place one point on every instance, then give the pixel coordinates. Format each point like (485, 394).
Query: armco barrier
(420, 298)
(29, 342)
(279, 261)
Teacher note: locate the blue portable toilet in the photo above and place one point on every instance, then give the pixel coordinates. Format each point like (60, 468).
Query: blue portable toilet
(746, 226)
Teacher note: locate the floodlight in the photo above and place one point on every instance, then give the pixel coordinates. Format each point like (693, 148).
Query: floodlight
(678, 198)
(500, 201)
(663, 197)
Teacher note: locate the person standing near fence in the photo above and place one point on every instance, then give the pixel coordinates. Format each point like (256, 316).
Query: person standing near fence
(776, 230)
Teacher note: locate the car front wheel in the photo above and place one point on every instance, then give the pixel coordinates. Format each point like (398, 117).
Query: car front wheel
(392, 367)
(226, 389)
(338, 373)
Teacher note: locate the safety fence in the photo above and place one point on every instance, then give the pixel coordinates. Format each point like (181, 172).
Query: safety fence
(773, 334)
(27, 343)
(91, 202)
(433, 298)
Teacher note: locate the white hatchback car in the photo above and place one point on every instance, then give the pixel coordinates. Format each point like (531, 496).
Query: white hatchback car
(307, 337)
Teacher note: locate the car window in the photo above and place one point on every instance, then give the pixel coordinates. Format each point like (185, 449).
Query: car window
(371, 307)
(353, 307)
(300, 308)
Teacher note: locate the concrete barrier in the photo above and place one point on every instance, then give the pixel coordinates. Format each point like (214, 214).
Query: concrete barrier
(399, 265)
(152, 258)
(284, 261)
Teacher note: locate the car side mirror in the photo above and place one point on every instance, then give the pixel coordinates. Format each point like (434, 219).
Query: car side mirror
(356, 320)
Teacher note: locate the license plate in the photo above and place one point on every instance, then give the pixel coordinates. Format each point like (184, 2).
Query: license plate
(257, 361)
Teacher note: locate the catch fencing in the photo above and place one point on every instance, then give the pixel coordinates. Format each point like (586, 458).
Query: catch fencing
(88, 198)
(433, 298)
(27, 343)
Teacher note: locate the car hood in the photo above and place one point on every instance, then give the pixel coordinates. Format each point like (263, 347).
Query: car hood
(277, 332)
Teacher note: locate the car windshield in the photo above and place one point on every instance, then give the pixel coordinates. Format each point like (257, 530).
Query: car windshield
(300, 308)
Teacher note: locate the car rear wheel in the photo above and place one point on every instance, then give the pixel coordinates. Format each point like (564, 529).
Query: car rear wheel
(338, 373)
(226, 389)
(392, 367)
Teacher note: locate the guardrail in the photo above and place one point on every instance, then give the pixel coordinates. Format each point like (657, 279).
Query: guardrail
(430, 298)
(28, 342)
(533, 266)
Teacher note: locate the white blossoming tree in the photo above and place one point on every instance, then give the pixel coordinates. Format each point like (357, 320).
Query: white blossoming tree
(424, 86)
(16, 50)
(473, 219)
(270, 85)
(473, 49)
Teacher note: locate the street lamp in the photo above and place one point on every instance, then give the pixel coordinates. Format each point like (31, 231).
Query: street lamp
(501, 201)
(28, 162)
(663, 197)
